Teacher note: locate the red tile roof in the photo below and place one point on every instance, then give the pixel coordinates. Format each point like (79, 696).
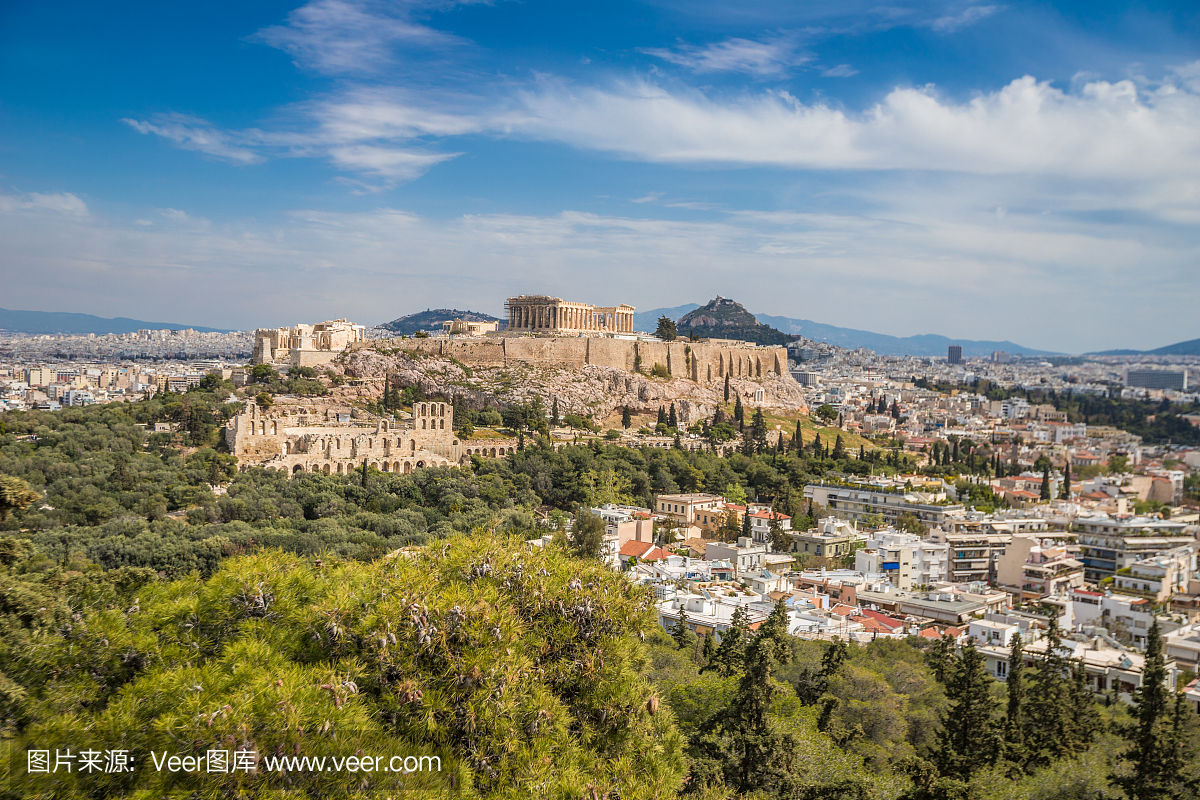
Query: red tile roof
(766, 514)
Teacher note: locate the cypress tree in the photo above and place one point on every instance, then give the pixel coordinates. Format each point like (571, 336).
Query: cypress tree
(798, 439)
(839, 448)
(662, 416)
(758, 431)
(726, 388)
(1065, 491)
(681, 634)
(862, 453)
(554, 419)
(1049, 727)
(746, 530)
(967, 740)
(1045, 493)
(708, 650)
(816, 445)
(759, 752)
(739, 413)
(1014, 718)
(672, 418)
(728, 657)
(626, 417)
(1154, 768)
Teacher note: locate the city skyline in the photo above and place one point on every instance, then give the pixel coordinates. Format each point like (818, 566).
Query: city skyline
(981, 171)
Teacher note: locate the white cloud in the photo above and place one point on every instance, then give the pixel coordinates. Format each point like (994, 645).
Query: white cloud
(771, 58)
(1105, 131)
(968, 16)
(174, 214)
(193, 133)
(391, 164)
(64, 203)
(338, 36)
(840, 71)
(993, 277)
(649, 197)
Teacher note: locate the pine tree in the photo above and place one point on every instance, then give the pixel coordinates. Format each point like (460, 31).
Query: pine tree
(626, 417)
(672, 418)
(726, 388)
(967, 740)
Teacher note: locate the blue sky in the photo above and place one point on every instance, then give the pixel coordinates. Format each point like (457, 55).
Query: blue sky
(983, 170)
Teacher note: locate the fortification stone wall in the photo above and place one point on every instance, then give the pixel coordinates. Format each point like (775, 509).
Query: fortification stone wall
(699, 361)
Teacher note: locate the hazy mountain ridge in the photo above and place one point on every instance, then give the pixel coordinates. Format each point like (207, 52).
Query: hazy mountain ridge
(49, 322)
(928, 344)
(1188, 348)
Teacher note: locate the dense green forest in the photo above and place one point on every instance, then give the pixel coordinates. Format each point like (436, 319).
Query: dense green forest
(141, 610)
(122, 497)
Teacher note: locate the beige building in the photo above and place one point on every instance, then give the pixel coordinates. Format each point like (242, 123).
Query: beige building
(1031, 568)
(306, 345)
(469, 327)
(545, 314)
(705, 511)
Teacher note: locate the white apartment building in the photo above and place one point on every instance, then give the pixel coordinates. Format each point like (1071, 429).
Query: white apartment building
(1160, 576)
(905, 558)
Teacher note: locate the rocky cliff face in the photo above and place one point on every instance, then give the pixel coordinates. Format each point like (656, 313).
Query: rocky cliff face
(590, 390)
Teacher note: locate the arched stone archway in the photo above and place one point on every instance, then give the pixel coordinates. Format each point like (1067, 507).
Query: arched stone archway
(407, 467)
(297, 469)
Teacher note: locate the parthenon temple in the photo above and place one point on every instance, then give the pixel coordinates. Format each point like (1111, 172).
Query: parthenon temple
(555, 315)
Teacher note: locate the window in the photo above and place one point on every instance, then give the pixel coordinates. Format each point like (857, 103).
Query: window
(1001, 669)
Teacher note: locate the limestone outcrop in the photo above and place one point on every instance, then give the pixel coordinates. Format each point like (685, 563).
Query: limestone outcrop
(588, 389)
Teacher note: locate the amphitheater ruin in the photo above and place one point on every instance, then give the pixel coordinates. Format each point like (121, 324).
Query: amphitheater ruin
(336, 442)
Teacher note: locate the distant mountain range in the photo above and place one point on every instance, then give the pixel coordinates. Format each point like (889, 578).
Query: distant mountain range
(39, 322)
(431, 320)
(1192, 347)
(923, 345)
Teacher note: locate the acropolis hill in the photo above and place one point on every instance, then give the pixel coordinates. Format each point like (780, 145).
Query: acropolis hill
(588, 358)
